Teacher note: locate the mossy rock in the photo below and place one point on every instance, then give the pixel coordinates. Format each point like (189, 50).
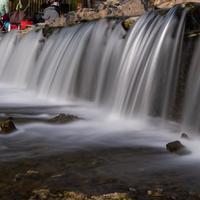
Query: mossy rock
(45, 194)
(7, 126)
(128, 23)
(63, 118)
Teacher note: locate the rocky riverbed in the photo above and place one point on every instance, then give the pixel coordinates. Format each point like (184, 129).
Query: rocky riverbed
(102, 174)
(91, 173)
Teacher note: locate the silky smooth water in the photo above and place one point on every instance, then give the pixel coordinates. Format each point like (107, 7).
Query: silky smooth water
(123, 84)
(128, 73)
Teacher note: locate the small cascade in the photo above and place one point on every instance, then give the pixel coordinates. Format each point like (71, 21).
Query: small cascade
(150, 65)
(19, 58)
(6, 47)
(134, 73)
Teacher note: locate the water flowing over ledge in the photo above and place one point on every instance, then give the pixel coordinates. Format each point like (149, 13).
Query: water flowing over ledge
(132, 74)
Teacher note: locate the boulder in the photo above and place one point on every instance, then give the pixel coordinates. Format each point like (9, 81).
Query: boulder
(63, 118)
(7, 126)
(177, 147)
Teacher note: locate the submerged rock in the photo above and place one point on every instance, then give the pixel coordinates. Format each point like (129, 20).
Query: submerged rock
(158, 192)
(112, 196)
(7, 126)
(40, 194)
(30, 174)
(177, 147)
(45, 194)
(184, 136)
(63, 118)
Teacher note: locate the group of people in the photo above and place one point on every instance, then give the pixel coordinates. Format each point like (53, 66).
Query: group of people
(50, 11)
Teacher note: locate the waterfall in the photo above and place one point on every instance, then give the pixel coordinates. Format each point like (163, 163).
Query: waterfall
(192, 106)
(129, 73)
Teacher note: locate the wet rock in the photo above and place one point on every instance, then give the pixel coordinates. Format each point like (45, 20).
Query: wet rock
(30, 174)
(128, 23)
(63, 118)
(45, 194)
(133, 190)
(57, 175)
(155, 193)
(177, 147)
(75, 196)
(41, 194)
(185, 136)
(7, 126)
(47, 31)
(172, 198)
(112, 196)
(18, 177)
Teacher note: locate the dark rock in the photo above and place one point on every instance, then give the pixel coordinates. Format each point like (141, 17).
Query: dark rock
(7, 126)
(30, 174)
(185, 136)
(132, 190)
(128, 23)
(172, 198)
(177, 147)
(63, 118)
(18, 177)
(47, 31)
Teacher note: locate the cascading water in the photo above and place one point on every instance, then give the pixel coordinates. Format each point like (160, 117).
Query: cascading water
(134, 73)
(129, 73)
(95, 72)
(192, 107)
(149, 66)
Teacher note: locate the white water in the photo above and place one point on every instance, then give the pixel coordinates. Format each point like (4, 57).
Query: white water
(132, 74)
(128, 74)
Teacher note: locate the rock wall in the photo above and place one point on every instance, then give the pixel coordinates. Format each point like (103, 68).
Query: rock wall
(171, 3)
(109, 8)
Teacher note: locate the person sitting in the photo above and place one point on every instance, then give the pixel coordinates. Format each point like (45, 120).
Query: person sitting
(56, 5)
(51, 12)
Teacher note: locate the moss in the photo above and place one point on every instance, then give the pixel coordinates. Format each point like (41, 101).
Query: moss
(7, 126)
